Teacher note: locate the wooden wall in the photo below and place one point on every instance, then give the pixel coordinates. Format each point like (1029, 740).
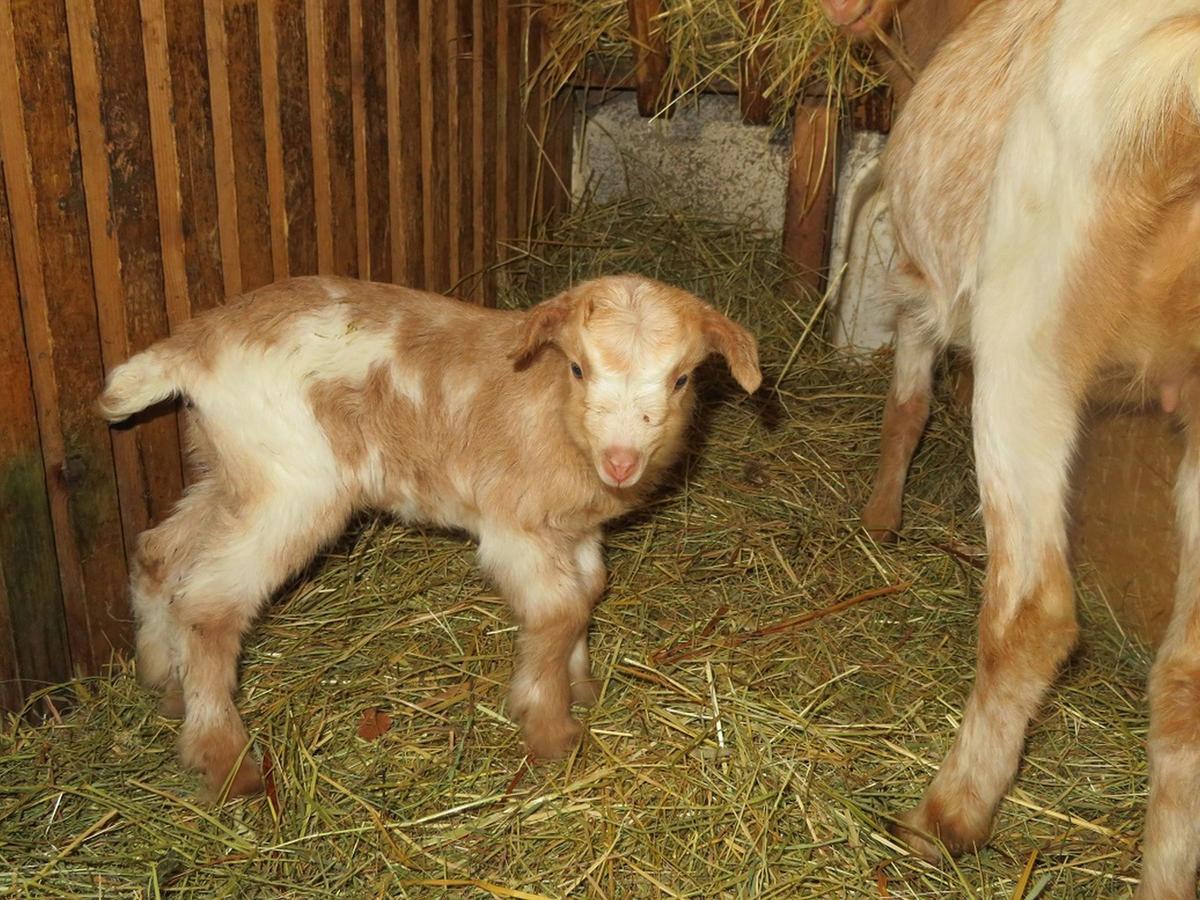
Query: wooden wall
(157, 156)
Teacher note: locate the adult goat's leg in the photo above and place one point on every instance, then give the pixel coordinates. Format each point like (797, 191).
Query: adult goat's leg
(1171, 848)
(904, 417)
(1027, 621)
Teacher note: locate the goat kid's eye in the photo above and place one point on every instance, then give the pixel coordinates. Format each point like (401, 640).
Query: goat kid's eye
(680, 382)
(576, 370)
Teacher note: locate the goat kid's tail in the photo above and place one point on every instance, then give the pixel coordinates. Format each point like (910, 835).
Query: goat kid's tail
(147, 378)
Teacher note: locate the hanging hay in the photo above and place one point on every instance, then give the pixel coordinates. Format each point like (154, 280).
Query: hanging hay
(707, 42)
(774, 684)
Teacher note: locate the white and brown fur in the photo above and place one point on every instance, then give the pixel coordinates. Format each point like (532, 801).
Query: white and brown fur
(1044, 181)
(316, 397)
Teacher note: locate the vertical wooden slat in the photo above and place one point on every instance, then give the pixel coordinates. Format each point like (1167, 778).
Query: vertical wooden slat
(435, 143)
(460, 39)
(505, 169)
(340, 122)
(318, 101)
(52, 253)
(810, 190)
(33, 634)
(160, 98)
(756, 110)
(292, 38)
(649, 54)
(268, 50)
(538, 115)
(111, 101)
(377, 16)
(180, 105)
(484, 158)
(106, 261)
(222, 122)
(519, 130)
(358, 105)
(249, 142)
(406, 140)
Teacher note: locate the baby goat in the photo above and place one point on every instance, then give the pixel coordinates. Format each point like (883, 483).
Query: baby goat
(1044, 182)
(315, 397)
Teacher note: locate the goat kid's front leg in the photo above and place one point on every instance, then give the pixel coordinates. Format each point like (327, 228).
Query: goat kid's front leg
(904, 419)
(1027, 621)
(1171, 847)
(589, 560)
(541, 579)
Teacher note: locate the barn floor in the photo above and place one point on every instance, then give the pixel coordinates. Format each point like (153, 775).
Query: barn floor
(774, 684)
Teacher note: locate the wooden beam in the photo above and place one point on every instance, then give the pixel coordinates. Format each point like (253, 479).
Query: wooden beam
(810, 193)
(756, 109)
(649, 54)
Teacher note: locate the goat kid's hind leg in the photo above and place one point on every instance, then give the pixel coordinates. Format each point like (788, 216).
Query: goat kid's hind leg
(589, 559)
(162, 553)
(1027, 620)
(904, 419)
(540, 578)
(1171, 847)
(247, 553)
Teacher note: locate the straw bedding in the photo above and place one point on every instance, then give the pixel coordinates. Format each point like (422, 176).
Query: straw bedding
(774, 683)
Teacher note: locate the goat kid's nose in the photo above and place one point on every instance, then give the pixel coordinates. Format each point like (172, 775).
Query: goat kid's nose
(621, 462)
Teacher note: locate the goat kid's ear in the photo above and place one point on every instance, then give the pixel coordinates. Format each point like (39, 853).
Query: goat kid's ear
(737, 345)
(542, 324)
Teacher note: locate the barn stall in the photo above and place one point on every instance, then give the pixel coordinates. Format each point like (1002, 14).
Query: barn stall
(775, 684)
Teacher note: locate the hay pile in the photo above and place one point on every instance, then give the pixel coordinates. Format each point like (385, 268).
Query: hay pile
(774, 684)
(707, 41)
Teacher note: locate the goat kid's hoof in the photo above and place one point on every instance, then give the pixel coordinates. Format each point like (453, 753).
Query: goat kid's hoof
(882, 527)
(922, 833)
(215, 757)
(548, 739)
(585, 693)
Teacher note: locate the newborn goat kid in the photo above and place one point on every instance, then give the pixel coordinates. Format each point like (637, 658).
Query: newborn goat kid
(315, 397)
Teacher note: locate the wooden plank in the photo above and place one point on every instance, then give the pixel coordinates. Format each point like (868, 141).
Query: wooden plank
(53, 265)
(318, 105)
(111, 101)
(160, 101)
(756, 109)
(486, 107)
(296, 125)
(810, 193)
(33, 633)
(222, 124)
(649, 54)
(180, 105)
(249, 142)
(460, 40)
(378, 115)
(358, 113)
(520, 133)
(406, 140)
(435, 144)
(340, 124)
(507, 48)
(268, 51)
(538, 115)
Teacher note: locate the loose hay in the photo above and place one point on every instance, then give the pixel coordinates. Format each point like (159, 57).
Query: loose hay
(774, 684)
(708, 41)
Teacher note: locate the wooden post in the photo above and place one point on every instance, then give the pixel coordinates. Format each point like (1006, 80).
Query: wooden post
(756, 109)
(649, 54)
(810, 192)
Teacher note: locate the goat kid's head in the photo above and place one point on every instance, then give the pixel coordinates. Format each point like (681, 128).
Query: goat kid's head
(629, 345)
